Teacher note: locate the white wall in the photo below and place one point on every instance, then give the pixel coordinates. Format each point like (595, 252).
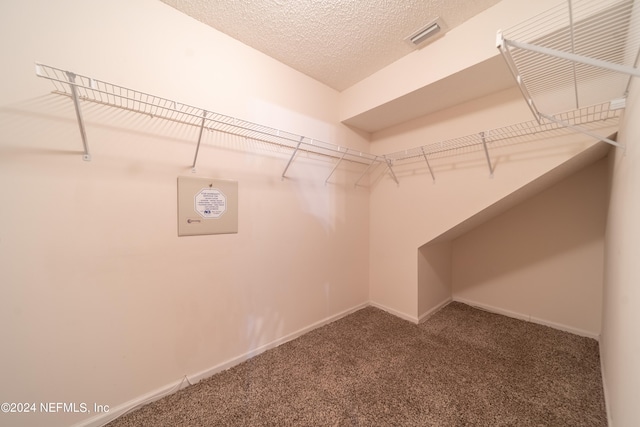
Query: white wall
(406, 216)
(541, 260)
(462, 47)
(620, 342)
(434, 277)
(101, 302)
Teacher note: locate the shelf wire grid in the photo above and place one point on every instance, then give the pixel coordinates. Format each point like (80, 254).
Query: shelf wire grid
(100, 92)
(590, 118)
(593, 118)
(601, 30)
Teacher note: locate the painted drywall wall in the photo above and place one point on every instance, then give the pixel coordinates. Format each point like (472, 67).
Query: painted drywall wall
(101, 301)
(465, 46)
(434, 277)
(620, 341)
(542, 260)
(406, 216)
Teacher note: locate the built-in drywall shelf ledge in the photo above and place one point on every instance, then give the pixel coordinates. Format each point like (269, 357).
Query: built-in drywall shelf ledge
(579, 53)
(82, 88)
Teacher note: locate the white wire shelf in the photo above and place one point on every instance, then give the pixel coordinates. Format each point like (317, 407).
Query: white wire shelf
(83, 88)
(587, 120)
(579, 53)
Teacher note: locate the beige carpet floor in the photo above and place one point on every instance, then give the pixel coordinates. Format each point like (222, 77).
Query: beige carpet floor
(462, 367)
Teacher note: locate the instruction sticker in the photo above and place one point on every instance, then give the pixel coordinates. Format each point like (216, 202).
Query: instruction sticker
(210, 203)
(207, 206)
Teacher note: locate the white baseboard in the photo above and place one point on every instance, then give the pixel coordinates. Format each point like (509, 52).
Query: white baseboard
(396, 313)
(528, 318)
(290, 337)
(607, 404)
(424, 316)
(118, 411)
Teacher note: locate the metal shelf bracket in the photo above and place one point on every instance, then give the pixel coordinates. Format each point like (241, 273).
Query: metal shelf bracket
(428, 165)
(195, 157)
(582, 130)
(486, 153)
(76, 103)
(374, 161)
(291, 158)
(390, 167)
(575, 58)
(335, 166)
(578, 53)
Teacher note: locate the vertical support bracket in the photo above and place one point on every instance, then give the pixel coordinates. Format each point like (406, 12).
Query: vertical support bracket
(336, 166)
(582, 130)
(486, 153)
(195, 157)
(291, 159)
(365, 171)
(428, 165)
(502, 44)
(393, 174)
(76, 103)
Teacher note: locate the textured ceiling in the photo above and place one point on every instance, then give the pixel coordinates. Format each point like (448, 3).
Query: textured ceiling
(338, 42)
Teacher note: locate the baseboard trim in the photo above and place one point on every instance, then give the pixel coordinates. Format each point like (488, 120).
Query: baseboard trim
(529, 318)
(412, 319)
(131, 405)
(605, 390)
(290, 337)
(424, 316)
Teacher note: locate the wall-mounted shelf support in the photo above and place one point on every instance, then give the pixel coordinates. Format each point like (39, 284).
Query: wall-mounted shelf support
(87, 89)
(334, 168)
(291, 158)
(572, 57)
(390, 167)
(486, 153)
(374, 161)
(578, 53)
(588, 120)
(428, 165)
(76, 103)
(582, 130)
(195, 157)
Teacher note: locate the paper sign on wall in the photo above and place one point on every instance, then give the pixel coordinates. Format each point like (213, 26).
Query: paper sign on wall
(207, 206)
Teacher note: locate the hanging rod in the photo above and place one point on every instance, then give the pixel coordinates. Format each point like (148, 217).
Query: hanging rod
(578, 53)
(96, 91)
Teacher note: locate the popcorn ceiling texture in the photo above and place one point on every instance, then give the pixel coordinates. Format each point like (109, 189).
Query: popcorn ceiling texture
(336, 42)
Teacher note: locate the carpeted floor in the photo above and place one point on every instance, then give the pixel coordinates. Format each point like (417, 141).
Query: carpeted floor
(462, 367)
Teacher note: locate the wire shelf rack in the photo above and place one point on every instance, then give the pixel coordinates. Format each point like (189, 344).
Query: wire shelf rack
(83, 88)
(587, 120)
(579, 53)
